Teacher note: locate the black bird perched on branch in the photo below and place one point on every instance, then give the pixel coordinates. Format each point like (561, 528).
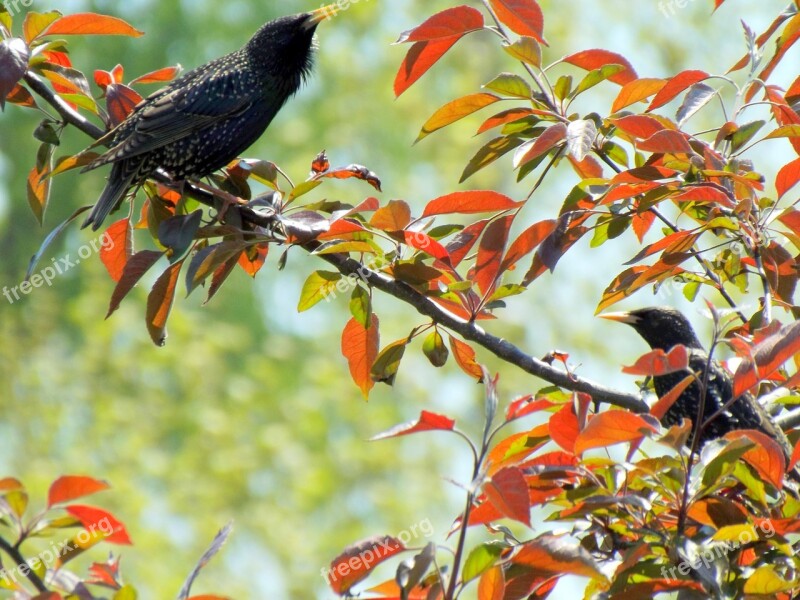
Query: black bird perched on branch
(664, 328)
(206, 118)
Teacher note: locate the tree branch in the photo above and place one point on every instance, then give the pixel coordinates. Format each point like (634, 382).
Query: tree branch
(501, 348)
(19, 560)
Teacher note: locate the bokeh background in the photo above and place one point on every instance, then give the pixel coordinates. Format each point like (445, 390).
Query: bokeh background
(248, 413)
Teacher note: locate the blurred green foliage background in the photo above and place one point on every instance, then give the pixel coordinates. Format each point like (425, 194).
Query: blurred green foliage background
(248, 412)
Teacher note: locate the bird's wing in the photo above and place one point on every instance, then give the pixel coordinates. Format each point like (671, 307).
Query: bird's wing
(182, 112)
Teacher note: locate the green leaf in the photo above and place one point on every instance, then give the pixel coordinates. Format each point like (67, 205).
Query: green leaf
(509, 84)
(384, 370)
(489, 153)
(318, 287)
(744, 134)
(361, 306)
(435, 349)
(527, 50)
(481, 559)
(592, 78)
(563, 87)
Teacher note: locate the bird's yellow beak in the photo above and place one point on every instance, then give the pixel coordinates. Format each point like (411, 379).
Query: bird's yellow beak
(322, 14)
(620, 317)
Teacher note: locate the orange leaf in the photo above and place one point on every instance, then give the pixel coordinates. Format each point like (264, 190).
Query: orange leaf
(492, 584)
(635, 91)
(97, 520)
(787, 177)
(455, 111)
(596, 58)
(461, 244)
(159, 76)
(134, 270)
(477, 201)
(117, 248)
(507, 490)
(658, 362)
(677, 84)
(428, 245)
(612, 427)
(69, 487)
(421, 57)
(253, 259)
(766, 456)
(523, 17)
(360, 348)
(91, 24)
(504, 117)
(465, 357)
(393, 217)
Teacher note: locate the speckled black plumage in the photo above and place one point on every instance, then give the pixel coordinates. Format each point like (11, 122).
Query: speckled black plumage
(206, 118)
(663, 328)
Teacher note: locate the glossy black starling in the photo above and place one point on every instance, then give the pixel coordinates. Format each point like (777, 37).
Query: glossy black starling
(663, 328)
(206, 118)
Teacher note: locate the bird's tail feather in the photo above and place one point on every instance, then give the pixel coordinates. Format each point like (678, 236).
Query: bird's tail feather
(118, 183)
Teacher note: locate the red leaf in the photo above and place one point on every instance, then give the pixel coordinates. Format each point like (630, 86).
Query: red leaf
(557, 555)
(360, 347)
(504, 117)
(659, 362)
(91, 24)
(612, 427)
(526, 405)
(490, 255)
(675, 85)
(641, 224)
(507, 490)
(666, 142)
(461, 244)
(660, 408)
(100, 521)
(427, 421)
(527, 242)
(117, 248)
(596, 58)
(134, 270)
(358, 561)
(767, 357)
(159, 303)
(546, 141)
(564, 427)
(456, 21)
(477, 201)
(428, 245)
(787, 177)
(421, 57)
(523, 17)
(69, 487)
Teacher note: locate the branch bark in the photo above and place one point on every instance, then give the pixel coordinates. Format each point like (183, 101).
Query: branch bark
(19, 560)
(501, 348)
